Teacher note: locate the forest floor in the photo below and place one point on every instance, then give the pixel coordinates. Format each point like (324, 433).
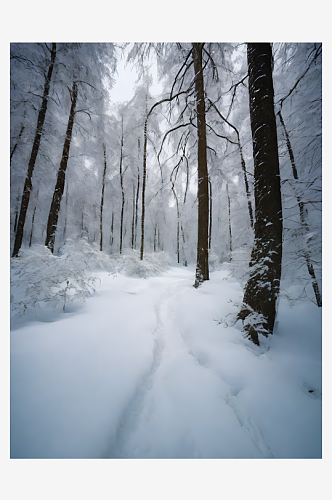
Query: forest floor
(145, 369)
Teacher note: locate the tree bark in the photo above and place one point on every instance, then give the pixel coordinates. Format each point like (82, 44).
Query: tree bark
(304, 224)
(122, 191)
(102, 200)
(33, 220)
(229, 224)
(143, 188)
(133, 221)
(262, 288)
(35, 148)
(202, 265)
(112, 228)
(210, 214)
(15, 146)
(60, 184)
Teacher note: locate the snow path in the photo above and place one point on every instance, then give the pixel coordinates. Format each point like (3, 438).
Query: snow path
(166, 334)
(142, 370)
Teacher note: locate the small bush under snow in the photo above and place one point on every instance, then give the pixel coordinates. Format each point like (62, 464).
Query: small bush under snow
(129, 263)
(39, 278)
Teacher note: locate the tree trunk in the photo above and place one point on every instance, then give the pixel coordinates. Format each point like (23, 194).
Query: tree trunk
(305, 226)
(60, 184)
(133, 221)
(137, 192)
(243, 165)
(143, 188)
(35, 148)
(15, 146)
(102, 201)
(122, 191)
(112, 227)
(262, 288)
(202, 266)
(33, 220)
(229, 224)
(210, 214)
(155, 238)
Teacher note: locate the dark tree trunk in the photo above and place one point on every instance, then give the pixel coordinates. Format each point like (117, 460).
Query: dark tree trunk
(202, 266)
(262, 288)
(60, 184)
(112, 228)
(102, 200)
(155, 238)
(137, 193)
(143, 187)
(15, 146)
(133, 221)
(305, 226)
(210, 214)
(136, 207)
(122, 191)
(33, 220)
(35, 148)
(229, 223)
(243, 165)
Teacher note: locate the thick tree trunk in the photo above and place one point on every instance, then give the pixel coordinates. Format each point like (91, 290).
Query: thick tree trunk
(35, 148)
(262, 288)
(60, 184)
(143, 188)
(102, 200)
(202, 265)
(305, 226)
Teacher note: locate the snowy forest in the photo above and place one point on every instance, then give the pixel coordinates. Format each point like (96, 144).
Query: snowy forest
(166, 251)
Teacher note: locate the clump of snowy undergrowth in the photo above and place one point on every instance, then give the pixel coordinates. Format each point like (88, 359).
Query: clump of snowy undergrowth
(39, 278)
(129, 263)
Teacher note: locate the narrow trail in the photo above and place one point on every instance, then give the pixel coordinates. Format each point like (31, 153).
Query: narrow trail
(133, 413)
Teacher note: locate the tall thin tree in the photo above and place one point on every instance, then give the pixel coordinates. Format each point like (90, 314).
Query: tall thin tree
(102, 199)
(60, 183)
(202, 265)
(35, 148)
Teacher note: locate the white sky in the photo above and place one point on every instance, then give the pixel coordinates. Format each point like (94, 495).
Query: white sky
(126, 76)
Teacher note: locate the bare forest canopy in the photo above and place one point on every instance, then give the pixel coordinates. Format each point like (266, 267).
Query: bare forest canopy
(227, 158)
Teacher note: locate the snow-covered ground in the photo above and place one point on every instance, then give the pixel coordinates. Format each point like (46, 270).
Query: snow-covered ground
(144, 369)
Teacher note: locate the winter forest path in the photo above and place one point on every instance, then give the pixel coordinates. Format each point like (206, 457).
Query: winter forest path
(170, 414)
(144, 370)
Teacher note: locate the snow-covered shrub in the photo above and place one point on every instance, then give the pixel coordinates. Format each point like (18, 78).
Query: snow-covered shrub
(129, 263)
(39, 278)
